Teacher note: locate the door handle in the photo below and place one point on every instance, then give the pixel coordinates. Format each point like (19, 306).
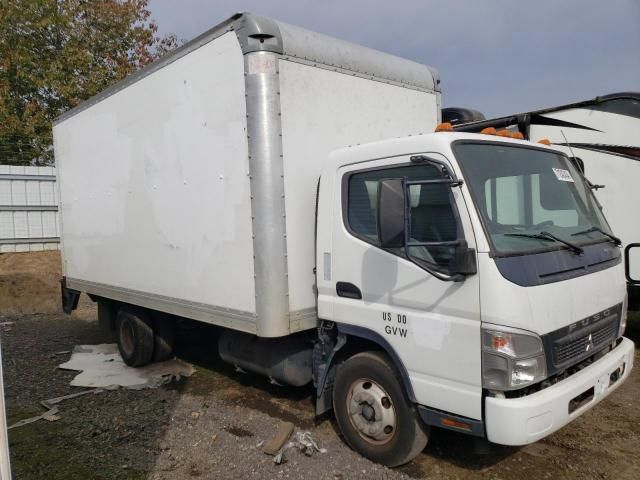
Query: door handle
(348, 290)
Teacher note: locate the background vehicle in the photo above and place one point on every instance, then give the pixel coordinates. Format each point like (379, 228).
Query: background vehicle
(457, 116)
(604, 135)
(204, 188)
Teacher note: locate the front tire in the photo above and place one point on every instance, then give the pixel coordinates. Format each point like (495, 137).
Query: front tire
(373, 413)
(135, 336)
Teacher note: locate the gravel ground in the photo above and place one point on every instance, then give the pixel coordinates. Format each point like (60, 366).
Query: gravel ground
(210, 425)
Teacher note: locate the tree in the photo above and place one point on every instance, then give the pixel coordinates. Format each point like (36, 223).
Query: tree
(55, 54)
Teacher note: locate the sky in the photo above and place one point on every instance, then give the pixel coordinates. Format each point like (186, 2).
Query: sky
(496, 56)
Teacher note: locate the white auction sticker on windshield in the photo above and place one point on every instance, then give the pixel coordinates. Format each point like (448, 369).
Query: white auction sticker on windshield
(562, 175)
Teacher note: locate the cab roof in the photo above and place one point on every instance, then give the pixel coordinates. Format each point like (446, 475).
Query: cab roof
(439, 142)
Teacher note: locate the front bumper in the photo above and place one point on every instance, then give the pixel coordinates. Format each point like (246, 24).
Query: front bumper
(519, 421)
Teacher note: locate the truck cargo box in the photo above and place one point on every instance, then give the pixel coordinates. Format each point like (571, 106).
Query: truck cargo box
(190, 187)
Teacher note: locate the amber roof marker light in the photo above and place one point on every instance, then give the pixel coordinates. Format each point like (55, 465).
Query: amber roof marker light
(444, 127)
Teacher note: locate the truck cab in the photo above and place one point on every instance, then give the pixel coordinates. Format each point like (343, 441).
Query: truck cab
(482, 273)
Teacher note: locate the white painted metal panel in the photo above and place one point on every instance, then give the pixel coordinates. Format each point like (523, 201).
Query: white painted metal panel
(47, 193)
(6, 224)
(154, 184)
(20, 225)
(28, 207)
(34, 222)
(321, 111)
(318, 49)
(18, 192)
(607, 128)
(33, 193)
(49, 224)
(5, 193)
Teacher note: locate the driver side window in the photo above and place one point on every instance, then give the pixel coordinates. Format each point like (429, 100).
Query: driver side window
(432, 215)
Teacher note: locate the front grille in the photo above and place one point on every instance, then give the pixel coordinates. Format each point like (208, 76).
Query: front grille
(587, 342)
(569, 345)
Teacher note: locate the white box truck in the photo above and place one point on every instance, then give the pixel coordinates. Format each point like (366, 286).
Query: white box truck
(602, 135)
(218, 185)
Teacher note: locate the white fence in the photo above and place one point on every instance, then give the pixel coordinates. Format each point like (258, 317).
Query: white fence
(28, 209)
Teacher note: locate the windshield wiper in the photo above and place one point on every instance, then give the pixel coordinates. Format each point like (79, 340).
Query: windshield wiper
(616, 241)
(550, 237)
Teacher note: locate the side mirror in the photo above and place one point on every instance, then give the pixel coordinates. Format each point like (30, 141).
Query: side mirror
(391, 213)
(627, 264)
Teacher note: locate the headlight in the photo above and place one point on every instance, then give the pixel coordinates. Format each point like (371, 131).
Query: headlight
(623, 315)
(511, 359)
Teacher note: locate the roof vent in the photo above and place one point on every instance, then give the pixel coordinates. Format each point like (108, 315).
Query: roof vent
(257, 33)
(262, 40)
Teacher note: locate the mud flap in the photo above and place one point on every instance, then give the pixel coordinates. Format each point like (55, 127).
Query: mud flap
(69, 297)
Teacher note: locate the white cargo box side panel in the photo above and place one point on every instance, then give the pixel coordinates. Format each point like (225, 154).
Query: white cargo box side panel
(324, 110)
(155, 191)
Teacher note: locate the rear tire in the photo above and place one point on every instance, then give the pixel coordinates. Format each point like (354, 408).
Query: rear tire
(164, 337)
(135, 336)
(373, 412)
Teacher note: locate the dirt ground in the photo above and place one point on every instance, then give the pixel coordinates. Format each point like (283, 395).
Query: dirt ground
(210, 425)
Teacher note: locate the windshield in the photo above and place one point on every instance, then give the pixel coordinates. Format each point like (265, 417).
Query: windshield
(530, 199)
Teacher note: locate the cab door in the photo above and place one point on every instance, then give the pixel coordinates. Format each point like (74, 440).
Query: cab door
(433, 325)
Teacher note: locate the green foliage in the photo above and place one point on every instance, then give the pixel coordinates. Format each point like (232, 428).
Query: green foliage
(55, 54)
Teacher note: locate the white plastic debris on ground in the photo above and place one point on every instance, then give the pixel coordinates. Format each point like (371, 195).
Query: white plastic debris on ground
(103, 369)
(102, 366)
(304, 442)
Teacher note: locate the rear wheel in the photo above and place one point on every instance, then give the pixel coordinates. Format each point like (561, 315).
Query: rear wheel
(373, 412)
(135, 336)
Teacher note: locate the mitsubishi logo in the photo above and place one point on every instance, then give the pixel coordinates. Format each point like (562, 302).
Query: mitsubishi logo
(589, 343)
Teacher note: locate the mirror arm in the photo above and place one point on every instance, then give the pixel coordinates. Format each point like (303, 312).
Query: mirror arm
(456, 277)
(454, 181)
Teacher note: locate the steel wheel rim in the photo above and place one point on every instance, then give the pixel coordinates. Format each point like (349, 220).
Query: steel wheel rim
(371, 411)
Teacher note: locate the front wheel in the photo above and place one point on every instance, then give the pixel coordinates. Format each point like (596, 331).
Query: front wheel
(373, 412)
